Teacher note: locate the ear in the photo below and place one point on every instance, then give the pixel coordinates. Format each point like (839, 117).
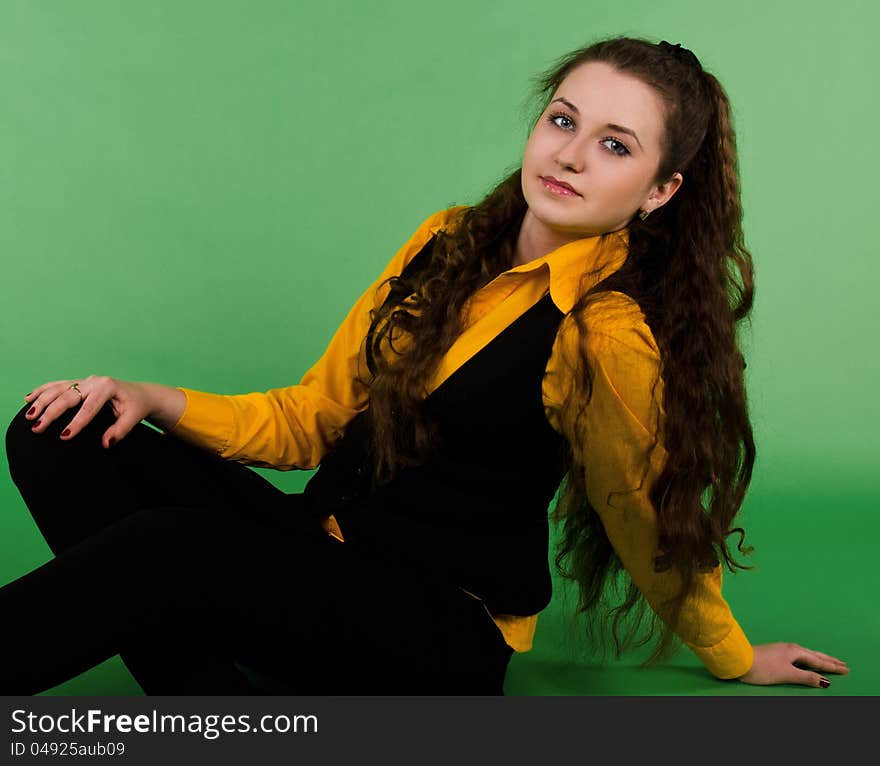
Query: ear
(663, 193)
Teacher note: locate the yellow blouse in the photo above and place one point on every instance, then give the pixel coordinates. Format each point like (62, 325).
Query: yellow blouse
(295, 426)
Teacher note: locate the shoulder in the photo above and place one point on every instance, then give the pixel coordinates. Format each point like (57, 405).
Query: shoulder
(627, 387)
(440, 219)
(444, 219)
(616, 326)
(617, 320)
(623, 356)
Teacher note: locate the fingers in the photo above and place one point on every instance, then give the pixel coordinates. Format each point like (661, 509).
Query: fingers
(118, 431)
(809, 678)
(52, 400)
(41, 396)
(819, 661)
(39, 389)
(839, 666)
(91, 405)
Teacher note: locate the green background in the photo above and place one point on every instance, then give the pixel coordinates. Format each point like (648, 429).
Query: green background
(195, 193)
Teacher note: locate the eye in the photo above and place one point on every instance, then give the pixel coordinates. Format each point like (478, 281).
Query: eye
(622, 151)
(556, 115)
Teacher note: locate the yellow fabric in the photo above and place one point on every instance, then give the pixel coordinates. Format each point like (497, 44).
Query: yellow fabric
(295, 426)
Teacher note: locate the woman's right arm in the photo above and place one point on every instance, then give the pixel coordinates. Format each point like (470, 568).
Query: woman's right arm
(295, 426)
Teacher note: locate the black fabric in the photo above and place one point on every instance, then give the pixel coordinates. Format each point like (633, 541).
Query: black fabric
(193, 568)
(476, 512)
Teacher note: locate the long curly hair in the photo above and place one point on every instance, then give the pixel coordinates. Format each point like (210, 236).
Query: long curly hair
(692, 277)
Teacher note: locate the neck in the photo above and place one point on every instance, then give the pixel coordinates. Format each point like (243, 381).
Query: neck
(536, 240)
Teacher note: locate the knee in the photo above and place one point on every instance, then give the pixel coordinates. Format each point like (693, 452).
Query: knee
(23, 445)
(19, 437)
(27, 452)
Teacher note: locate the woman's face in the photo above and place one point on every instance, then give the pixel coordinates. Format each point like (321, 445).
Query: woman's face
(611, 170)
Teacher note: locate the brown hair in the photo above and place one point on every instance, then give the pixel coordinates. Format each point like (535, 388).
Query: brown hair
(692, 277)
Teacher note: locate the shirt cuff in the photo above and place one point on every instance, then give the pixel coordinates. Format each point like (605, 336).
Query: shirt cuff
(731, 657)
(207, 420)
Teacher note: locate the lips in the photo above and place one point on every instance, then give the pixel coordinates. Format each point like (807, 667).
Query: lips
(562, 184)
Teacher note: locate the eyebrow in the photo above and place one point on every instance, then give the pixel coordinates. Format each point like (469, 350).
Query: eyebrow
(611, 125)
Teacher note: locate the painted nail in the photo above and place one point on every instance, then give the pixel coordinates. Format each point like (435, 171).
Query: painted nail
(31, 410)
(824, 682)
(37, 424)
(112, 440)
(65, 432)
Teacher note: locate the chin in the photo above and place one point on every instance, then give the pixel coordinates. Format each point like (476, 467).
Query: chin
(562, 214)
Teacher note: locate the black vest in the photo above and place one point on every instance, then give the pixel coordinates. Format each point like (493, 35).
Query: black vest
(476, 513)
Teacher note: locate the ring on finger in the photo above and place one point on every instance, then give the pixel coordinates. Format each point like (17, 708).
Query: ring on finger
(75, 387)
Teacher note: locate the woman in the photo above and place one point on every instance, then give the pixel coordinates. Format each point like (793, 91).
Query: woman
(575, 330)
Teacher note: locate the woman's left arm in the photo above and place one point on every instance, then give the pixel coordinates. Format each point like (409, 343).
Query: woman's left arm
(618, 429)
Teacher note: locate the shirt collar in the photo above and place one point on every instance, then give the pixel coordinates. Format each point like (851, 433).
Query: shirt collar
(570, 261)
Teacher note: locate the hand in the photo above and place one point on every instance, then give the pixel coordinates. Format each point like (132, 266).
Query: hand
(782, 663)
(130, 403)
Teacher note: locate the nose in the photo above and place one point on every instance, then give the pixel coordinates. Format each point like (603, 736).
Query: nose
(570, 156)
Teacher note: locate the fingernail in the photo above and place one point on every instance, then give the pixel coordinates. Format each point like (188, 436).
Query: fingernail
(65, 432)
(27, 395)
(37, 424)
(824, 682)
(112, 440)
(31, 410)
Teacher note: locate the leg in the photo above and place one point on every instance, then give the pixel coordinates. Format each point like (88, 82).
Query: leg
(76, 488)
(178, 579)
(336, 619)
(221, 584)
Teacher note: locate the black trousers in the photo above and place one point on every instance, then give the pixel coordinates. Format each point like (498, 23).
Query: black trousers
(189, 566)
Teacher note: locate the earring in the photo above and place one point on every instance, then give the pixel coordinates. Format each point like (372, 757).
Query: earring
(643, 214)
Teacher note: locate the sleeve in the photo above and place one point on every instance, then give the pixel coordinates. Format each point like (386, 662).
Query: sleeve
(295, 426)
(619, 425)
